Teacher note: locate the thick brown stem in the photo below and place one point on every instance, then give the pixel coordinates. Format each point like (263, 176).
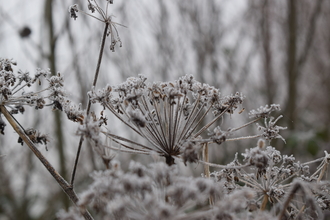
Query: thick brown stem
(169, 160)
(264, 202)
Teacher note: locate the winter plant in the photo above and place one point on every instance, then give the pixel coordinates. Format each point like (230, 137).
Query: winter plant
(178, 121)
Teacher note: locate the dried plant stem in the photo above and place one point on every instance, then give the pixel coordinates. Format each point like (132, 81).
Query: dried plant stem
(302, 209)
(60, 180)
(245, 125)
(206, 159)
(324, 166)
(89, 102)
(264, 202)
(307, 198)
(211, 123)
(323, 171)
(224, 166)
(207, 167)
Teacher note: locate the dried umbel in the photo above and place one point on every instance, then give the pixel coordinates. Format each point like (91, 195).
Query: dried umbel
(12, 83)
(93, 6)
(35, 136)
(16, 92)
(158, 191)
(169, 115)
(270, 175)
(166, 114)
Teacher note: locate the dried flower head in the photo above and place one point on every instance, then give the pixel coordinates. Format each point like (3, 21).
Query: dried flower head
(169, 115)
(16, 92)
(264, 111)
(36, 137)
(72, 10)
(271, 131)
(93, 7)
(153, 192)
(166, 114)
(270, 176)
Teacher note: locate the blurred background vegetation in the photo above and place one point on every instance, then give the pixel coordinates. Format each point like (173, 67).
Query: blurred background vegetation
(272, 51)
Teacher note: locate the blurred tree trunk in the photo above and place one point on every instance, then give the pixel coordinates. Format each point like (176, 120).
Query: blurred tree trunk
(206, 34)
(266, 46)
(163, 37)
(291, 64)
(295, 61)
(57, 115)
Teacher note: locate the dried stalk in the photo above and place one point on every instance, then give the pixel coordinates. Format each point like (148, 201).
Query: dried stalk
(66, 187)
(207, 167)
(89, 102)
(264, 202)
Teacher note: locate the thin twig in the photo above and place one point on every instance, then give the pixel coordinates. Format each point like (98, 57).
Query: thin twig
(244, 138)
(59, 179)
(245, 125)
(223, 166)
(211, 123)
(89, 101)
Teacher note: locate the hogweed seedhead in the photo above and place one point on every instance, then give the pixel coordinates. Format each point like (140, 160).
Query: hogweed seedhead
(36, 137)
(16, 92)
(264, 111)
(11, 83)
(157, 191)
(271, 131)
(93, 6)
(171, 115)
(166, 114)
(269, 174)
